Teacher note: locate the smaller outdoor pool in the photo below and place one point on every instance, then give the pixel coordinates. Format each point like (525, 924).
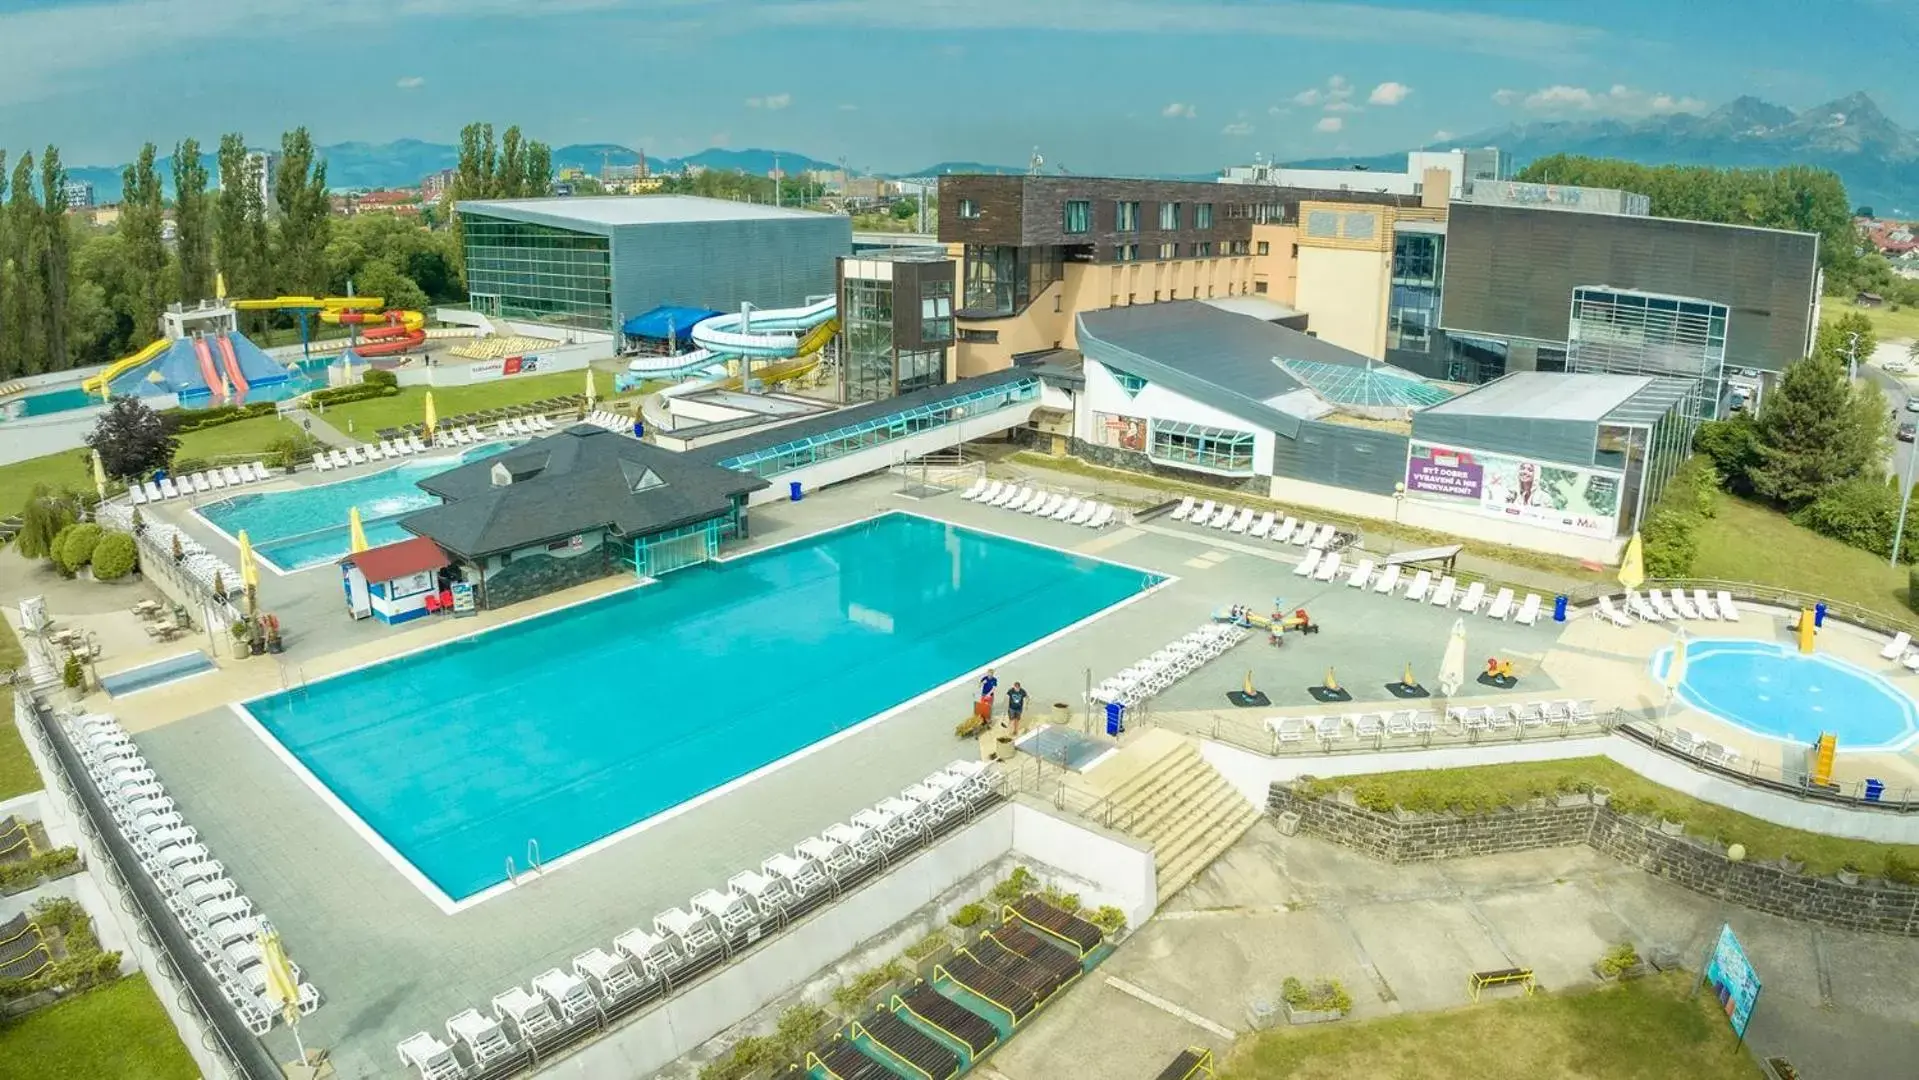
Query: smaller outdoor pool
(46, 403)
(293, 530)
(158, 673)
(1772, 689)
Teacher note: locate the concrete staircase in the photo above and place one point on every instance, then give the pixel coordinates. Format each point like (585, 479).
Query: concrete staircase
(1165, 794)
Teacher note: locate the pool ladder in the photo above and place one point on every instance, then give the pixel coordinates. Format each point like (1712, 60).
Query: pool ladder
(532, 861)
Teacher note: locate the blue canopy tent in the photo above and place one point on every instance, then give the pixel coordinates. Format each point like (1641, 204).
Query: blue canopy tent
(667, 323)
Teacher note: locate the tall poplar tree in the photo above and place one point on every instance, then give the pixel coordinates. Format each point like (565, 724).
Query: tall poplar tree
(193, 214)
(300, 195)
(56, 256)
(142, 217)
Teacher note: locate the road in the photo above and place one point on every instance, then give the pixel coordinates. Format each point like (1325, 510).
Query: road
(1897, 392)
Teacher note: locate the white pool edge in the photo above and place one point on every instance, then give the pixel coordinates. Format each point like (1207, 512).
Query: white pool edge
(1900, 744)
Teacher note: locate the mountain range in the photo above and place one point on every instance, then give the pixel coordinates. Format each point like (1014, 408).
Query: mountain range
(1877, 159)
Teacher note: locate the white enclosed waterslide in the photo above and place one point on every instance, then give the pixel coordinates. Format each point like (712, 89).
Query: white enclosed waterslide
(771, 334)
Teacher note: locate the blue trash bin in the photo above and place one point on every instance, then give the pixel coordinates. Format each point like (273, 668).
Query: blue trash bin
(1559, 608)
(1875, 789)
(1115, 718)
(793, 490)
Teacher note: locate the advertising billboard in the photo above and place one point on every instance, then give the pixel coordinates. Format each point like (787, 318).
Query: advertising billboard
(1733, 980)
(506, 367)
(1552, 496)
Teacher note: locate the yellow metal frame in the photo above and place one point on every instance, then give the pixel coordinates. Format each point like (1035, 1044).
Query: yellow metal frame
(1007, 912)
(1480, 980)
(860, 1029)
(1202, 1067)
(899, 1005)
(1023, 956)
(941, 971)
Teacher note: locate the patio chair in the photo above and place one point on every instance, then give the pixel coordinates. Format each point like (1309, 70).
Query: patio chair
(1328, 566)
(1304, 537)
(1727, 609)
(1325, 536)
(1184, 509)
(1704, 602)
(1067, 509)
(1528, 612)
(1422, 583)
(1308, 564)
(1283, 532)
(1289, 729)
(1222, 516)
(433, 1058)
(1605, 610)
(1243, 522)
(609, 977)
(1443, 595)
(568, 993)
(972, 493)
(1683, 603)
(1502, 606)
(1361, 574)
(528, 1015)
(1637, 604)
(1263, 527)
(1388, 580)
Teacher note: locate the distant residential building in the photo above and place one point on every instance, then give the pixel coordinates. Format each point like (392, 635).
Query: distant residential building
(1463, 168)
(78, 194)
(263, 169)
(103, 217)
(387, 201)
(435, 186)
(571, 174)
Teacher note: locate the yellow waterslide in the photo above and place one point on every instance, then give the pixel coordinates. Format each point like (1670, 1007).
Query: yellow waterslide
(806, 357)
(98, 383)
(310, 303)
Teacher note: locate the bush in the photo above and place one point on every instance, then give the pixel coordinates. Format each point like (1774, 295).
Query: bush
(114, 556)
(1912, 588)
(288, 451)
(1320, 995)
(340, 395)
(1732, 445)
(16, 876)
(1858, 513)
(1108, 918)
(1618, 960)
(56, 548)
(1020, 882)
(180, 421)
(379, 377)
(853, 995)
(927, 946)
(1901, 870)
(1061, 899)
(1669, 534)
(798, 1028)
(74, 673)
(76, 550)
(969, 916)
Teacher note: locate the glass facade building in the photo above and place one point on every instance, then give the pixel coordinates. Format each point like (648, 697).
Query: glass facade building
(1623, 332)
(896, 322)
(519, 270)
(1412, 312)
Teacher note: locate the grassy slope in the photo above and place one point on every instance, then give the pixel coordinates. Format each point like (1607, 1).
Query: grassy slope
(1888, 324)
(118, 1031)
(1644, 1028)
(1746, 541)
(242, 437)
(1513, 784)
(17, 774)
(408, 406)
(74, 469)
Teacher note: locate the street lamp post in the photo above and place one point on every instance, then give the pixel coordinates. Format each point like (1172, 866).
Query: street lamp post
(1399, 499)
(1852, 355)
(1905, 499)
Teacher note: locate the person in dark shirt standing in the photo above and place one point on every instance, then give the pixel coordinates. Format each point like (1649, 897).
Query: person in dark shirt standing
(1015, 705)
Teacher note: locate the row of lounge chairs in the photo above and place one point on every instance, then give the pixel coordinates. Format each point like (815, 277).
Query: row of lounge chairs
(199, 564)
(524, 428)
(1565, 713)
(338, 458)
(457, 435)
(1265, 526)
(611, 421)
(1696, 745)
(23, 948)
(1423, 588)
(218, 918)
(685, 940)
(564, 403)
(1669, 605)
(1058, 506)
(175, 487)
(1167, 666)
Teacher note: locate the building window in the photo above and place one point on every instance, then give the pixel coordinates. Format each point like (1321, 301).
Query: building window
(538, 273)
(1203, 215)
(1126, 253)
(1169, 215)
(1195, 446)
(1132, 384)
(979, 337)
(1126, 217)
(921, 369)
(1002, 280)
(1259, 287)
(1265, 248)
(866, 340)
(1239, 247)
(1078, 216)
(1203, 249)
(1168, 251)
(1412, 310)
(968, 209)
(936, 312)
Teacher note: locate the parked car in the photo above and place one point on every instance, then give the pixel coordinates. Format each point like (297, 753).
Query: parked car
(1907, 432)
(1912, 404)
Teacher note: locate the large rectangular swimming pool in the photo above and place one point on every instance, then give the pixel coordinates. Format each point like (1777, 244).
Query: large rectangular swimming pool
(570, 727)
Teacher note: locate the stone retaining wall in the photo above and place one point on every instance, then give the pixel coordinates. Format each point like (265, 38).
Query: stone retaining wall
(536, 575)
(1879, 907)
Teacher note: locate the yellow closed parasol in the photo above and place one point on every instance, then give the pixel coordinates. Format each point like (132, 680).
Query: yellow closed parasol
(356, 530)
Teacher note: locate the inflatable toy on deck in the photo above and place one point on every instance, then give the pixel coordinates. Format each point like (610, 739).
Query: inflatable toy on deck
(1247, 696)
(1330, 691)
(1499, 673)
(1407, 686)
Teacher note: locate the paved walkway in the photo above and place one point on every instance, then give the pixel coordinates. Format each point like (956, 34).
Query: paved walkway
(320, 428)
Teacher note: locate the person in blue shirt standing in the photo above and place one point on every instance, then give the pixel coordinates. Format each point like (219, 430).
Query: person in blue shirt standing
(1015, 706)
(987, 684)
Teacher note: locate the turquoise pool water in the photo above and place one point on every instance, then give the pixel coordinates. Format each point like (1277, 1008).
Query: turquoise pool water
(158, 673)
(48, 402)
(308, 526)
(572, 726)
(1772, 689)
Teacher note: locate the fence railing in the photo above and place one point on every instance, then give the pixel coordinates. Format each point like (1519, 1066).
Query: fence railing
(1861, 794)
(1047, 781)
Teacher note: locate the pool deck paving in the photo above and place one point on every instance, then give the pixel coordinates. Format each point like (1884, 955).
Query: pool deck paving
(389, 962)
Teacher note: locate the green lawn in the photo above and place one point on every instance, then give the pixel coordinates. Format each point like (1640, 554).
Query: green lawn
(118, 1031)
(1644, 1028)
(1746, 541)
(17, 774)
(1484, 787)
(241, 438)
(1887, 323)
(408, 406)
(69, 468)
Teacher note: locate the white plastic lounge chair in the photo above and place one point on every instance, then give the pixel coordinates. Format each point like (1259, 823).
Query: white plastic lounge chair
(321, 464)
(1388, 580)
(1243, 522)
(1222, 516)
(1067, 509)
(1329, 728)
(865, 843)
(528, 1014)
(1328, 567)
(1727, 609)
(1528, 612)
(374, 453)
(433, 1058)
(1304, 537)
(1102, 517)
(356, 454)
(419, 446)
(1611, 614)
(199, 481)
(1684, 603)
(1662, 605)
(1007, 494)
(339, 458)
(609, 977)
(1202, 513)
(802, 875)
(1367, 725)
(1361, 574)
(485, 1039)
(1896, 647)
(1263, 527)
(648, 951)
(1027, 501)
(217, 479)
(1283, 531)
(1184, 509)
(1325, 536)
(1288, 729)
(1051, 506)
(232, 476)
(259, 470)
(1443, 594)
(244, 471)
(1309, 564)
(768, 894)
(1399, 724)
(1640, 609)
(693, 934)
(1502, 605)
(135, 496)
(1422, 584)
(1085, 513)
(991, 492)
(168, 489)
(733, 913)
(1474, 597)
(1704, 602)
(568, 993)
(972, 493)
(154, 494)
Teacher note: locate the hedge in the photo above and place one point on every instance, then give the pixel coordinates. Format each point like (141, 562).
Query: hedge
(114, 556)
(76, 550)
(340, 395)
(185, 420)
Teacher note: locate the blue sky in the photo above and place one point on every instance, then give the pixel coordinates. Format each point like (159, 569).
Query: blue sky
(1098, 85)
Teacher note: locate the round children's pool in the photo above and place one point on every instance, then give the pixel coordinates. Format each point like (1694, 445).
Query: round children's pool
(1776, 691)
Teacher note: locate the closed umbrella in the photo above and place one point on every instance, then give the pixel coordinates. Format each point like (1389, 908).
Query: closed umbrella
(591, 395)
(283, 989)
(432, 418)
(1676, 667)
(249, 574)
(99, 476)
(1452, 667)
(1632, 568)
(355, 530)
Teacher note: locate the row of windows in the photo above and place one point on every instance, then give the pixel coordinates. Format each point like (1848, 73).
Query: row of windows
(1201, 250)
(1195, 446)
(1079, 215)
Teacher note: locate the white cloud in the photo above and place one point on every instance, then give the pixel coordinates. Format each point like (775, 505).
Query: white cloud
(1342, 107)
(1333, 96)
(1179, 111)
(1617, 100)
(1307, 98)
(411, 82)
(1278, 110)
(1329, 124)
(770, 101)
(1442, 135)
(849, 108)
(1236, 129)
(1389, 93)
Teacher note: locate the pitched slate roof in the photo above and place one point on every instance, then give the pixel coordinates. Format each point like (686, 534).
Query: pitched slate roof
(577, 480)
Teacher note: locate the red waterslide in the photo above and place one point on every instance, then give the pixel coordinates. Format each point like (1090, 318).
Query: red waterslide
(388, 340)
(232, 362)
(207, 370)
